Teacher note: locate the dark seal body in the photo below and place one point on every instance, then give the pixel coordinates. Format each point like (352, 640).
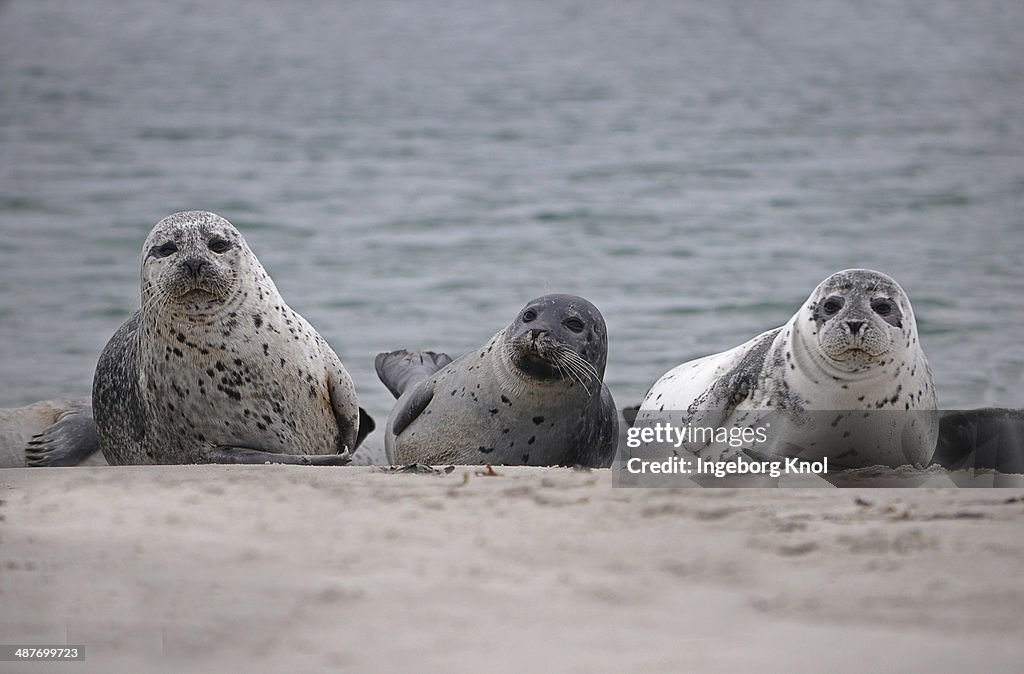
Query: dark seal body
(533, 395)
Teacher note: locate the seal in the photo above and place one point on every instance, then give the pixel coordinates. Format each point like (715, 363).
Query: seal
(62, 432)
(533, 395)
(29, 433)
(215, 367)
(982, 439)
(852, 349)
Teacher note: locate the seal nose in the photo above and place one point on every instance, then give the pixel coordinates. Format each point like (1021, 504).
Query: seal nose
(535, 333)
(855, 326)
(194, 265)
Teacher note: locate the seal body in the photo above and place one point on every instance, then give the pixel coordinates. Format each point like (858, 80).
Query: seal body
(851, 349)
(981, 439)
(533, 395)
(215, 367)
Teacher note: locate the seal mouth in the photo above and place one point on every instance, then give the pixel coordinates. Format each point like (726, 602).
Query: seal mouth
(534, 356)
(195, 295)
(856, 353)
(208, 290)
(531, 363)
(543, 358)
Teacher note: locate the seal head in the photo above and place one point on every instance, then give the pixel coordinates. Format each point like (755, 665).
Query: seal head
(557, 338)
(859, 316)
(195, 260)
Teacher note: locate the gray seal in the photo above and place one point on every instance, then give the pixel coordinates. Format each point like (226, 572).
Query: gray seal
(215, 367)
(533, 395)
(852, 348)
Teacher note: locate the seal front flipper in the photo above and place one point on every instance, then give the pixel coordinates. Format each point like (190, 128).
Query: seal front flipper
(347, 413)
(70, 440)
(412, 406)
(399, 370)
(224, 454)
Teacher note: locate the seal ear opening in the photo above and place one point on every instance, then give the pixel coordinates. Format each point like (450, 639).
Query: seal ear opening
(401, 369)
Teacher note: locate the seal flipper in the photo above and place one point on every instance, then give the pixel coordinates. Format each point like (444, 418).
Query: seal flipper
(979, 439)
(225, 454)
(70, 440)
(399, 370)
(344, 405)
(412, 406)
(366, 426)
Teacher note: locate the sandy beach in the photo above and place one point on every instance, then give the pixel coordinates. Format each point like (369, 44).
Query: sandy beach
(411, 174)
(274, 568)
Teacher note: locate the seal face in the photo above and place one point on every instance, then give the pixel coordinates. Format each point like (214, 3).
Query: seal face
(215, 367)
(852, 346)
(858, 317)
(533, 395)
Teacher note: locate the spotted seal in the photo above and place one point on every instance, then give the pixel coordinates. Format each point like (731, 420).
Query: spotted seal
(851, 349)
(215, 367)
(533, 395)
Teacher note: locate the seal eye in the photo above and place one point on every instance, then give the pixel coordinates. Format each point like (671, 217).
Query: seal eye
(167, 249)
(574, 324)
(832, 305)
(882, 307)
(218, 245)
(529, 315)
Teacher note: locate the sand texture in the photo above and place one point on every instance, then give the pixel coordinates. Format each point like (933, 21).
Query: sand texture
(277, 568)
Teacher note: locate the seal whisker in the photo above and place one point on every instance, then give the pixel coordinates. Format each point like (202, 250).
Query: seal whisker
(561, 372)
(583, 367)
(578, 379)
(571, 366)
(158, 297)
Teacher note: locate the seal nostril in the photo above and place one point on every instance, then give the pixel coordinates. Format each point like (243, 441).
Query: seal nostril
(194, 265)
(855, 326)
(535, 333)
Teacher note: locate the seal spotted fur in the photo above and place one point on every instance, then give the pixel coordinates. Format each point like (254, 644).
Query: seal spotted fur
(852, 346)
(215, 367)
(533, 395)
